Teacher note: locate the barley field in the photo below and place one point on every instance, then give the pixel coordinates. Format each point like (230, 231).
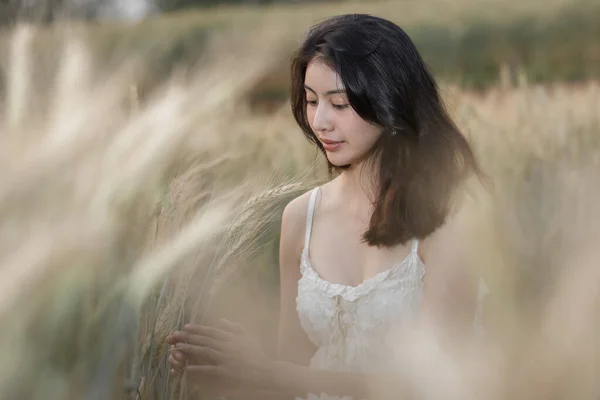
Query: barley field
(125, 213)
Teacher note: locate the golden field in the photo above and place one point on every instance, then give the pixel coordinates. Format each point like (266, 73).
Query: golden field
(125, 214)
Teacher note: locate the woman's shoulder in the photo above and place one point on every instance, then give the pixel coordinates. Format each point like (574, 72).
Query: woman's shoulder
(448, 255)
(453, 278)
(295, 212)
(297, 208)
(293, 220)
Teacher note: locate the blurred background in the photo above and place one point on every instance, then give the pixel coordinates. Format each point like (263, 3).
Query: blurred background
(147, 150)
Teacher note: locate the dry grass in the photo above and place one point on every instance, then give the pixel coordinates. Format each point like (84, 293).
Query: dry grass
(121, 218)
(412, 12)
(472, 43)
(84, 183)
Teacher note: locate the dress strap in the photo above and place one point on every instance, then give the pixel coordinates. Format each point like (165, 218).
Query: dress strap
(309, 216)
(415, 246)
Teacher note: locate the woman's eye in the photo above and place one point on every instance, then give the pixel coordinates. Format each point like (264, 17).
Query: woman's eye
(340, 106)
(311, 102)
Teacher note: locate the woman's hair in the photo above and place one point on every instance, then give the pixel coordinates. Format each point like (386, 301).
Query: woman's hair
(422, 156)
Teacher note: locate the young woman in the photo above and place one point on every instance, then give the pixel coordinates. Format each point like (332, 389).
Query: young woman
(372, 251)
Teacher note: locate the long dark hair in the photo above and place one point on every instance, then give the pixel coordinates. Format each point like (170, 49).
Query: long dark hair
(422, 156)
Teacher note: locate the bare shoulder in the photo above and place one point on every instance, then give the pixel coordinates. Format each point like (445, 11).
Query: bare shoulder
(293, 225)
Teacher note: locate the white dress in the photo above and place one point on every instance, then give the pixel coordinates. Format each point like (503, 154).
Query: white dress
(353, 327)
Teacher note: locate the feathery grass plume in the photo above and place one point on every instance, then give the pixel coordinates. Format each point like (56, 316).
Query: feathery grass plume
(80, 191)
(246, 165)
(256, 224)
(543, 157)
(179, 318)
(18, 88)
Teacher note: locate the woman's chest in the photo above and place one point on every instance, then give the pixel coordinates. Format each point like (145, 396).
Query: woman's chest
(378, 304)
(338, 254)
(387, 304)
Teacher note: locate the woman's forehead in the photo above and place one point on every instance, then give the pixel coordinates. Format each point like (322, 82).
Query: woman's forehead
(322, 78)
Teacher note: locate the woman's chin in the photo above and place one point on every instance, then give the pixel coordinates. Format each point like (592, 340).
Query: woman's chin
(337, 162)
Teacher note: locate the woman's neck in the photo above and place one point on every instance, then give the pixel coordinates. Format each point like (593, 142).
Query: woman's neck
(357, 183)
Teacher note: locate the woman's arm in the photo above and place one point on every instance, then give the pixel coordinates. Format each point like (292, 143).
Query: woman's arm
(450, 294)
(293, 344)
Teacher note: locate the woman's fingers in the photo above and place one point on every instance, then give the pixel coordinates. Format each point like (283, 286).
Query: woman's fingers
(200, 352)
(198, 340)
(205, 341)
(174, 338)
(176, 355)
(177, 337)
(210, 332)
(176, 359)
(173, 361)
(230, 326)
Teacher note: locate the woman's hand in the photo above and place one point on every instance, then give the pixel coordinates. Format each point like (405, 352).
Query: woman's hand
(226, 354)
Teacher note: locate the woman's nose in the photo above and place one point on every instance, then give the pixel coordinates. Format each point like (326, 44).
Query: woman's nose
(322, 120)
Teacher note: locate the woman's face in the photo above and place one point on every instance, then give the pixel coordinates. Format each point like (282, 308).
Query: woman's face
(346, 137)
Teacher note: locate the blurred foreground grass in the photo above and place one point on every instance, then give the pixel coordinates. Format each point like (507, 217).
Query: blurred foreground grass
(123, 216)
(474, 44)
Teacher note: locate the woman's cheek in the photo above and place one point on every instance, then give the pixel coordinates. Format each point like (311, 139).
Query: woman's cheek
(310, 116)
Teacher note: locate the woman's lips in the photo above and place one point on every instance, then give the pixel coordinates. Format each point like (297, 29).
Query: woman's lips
(331, 145)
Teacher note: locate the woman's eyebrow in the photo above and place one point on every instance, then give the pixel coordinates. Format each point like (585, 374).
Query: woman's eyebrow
(336, 91)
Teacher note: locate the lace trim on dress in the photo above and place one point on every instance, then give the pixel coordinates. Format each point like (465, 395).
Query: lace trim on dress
(410, 268)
